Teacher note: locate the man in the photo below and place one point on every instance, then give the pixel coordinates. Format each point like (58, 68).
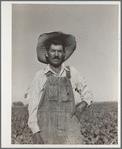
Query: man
(60, 95)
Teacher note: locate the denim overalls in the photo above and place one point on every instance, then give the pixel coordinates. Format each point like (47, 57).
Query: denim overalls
(54, 111)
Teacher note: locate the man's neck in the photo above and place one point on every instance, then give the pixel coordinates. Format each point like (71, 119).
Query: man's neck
(56, 69)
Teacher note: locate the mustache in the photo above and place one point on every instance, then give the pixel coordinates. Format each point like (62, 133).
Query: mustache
(56, 57)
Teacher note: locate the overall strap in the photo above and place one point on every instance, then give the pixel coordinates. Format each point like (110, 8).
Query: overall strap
(68, 74)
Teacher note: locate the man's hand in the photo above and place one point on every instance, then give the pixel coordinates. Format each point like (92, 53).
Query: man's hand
(37, 139)
(79, 110)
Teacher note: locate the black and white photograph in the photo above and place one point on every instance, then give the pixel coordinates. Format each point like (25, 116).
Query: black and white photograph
(60, 74)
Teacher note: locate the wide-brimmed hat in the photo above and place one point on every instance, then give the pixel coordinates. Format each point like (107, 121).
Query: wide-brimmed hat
(67, 39)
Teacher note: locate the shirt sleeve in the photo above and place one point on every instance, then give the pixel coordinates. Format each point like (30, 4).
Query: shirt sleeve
(33, 105)
(82, 92)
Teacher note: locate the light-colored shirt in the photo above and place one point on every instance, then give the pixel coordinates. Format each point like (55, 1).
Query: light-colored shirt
(79, 86)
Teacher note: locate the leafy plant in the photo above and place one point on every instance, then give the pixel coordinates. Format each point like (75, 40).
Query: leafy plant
(99, 124)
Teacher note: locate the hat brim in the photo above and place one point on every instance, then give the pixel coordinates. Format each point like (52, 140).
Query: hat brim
(70, 44)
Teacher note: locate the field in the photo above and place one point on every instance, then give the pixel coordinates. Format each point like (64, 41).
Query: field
(99, 124)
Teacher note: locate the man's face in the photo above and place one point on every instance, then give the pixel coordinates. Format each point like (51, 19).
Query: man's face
(55, 55)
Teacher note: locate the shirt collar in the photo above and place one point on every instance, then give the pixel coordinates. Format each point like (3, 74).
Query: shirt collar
(63, 67)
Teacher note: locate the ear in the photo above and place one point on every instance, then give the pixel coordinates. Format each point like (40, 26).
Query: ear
(46, 54)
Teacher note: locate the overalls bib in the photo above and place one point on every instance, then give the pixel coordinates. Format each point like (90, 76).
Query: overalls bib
(54, 111)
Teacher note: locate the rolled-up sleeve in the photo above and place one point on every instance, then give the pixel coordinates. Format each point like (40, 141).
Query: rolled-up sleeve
(33, 105)
(84, 91)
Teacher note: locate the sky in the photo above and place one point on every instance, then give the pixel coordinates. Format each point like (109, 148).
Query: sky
(95, 27)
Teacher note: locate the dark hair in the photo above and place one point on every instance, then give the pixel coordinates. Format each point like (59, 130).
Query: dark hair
(55, 42)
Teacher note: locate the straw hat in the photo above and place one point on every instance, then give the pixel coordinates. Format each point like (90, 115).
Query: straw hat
(67, 39)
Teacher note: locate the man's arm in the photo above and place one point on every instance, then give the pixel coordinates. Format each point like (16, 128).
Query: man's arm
(32, 108)
(83, 97)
